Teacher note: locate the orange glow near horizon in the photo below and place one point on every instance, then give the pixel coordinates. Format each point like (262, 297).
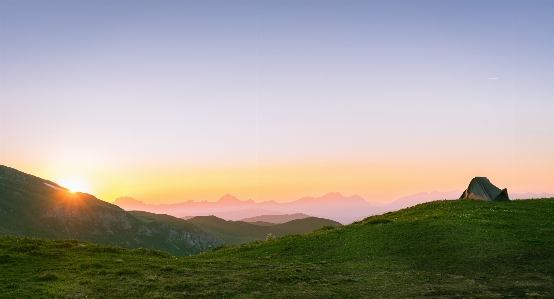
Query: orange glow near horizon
(375, 182)
(75, 185)
(266, 101)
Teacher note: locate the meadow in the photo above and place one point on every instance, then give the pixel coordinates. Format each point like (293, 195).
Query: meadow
(442, 249)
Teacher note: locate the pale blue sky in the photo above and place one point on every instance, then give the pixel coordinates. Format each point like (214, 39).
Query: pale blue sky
(232, 83)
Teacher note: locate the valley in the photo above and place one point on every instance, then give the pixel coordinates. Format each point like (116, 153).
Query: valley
(454, 249)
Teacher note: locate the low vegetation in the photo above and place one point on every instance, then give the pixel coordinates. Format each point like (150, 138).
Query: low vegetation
(444, 249)
(239, 232)
(34, 207)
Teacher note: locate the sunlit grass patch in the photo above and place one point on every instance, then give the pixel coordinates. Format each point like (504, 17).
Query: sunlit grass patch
(444, 249)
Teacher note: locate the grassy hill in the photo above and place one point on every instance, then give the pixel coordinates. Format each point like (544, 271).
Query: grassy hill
(263, 223)
(31, 206)
(443, 249)
(238, 232)
(275, 218)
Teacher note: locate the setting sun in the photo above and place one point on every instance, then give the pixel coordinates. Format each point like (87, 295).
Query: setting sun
(276, 149)
(75, 185)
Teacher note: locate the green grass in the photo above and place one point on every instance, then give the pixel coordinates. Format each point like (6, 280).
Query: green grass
(239, 232)
(29, 208)
(444, 249)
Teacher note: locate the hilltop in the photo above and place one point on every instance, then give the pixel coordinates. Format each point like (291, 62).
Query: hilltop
(34, 207)
(443, 249)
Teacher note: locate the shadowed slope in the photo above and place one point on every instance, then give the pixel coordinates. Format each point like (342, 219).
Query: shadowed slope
(31, 206)
(276, 219)
(237, 232)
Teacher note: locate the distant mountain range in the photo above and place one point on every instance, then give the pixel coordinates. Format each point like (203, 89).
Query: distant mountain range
(31, 206)
(35, 207)
(334, 205)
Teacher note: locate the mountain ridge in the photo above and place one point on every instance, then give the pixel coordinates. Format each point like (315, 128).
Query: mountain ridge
(237, 232)
(333, 205)
(275, 219)
(442, 249)
(31, 206)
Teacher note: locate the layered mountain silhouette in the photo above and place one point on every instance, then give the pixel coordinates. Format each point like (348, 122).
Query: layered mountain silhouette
(334, 206)
(31, 206)
(275, 219)
(237, 232)
(246, 213)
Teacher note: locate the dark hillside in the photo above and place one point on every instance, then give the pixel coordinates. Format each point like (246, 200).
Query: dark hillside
(237, 232)
(233, 232)
(262, 223)
(307, 224)
(31, 206)
(277, 219)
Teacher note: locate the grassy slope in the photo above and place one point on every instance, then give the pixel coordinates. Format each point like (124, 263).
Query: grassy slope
(305, 225)
(276, 219)
(442, 249)
(262, 223)
(232, 232)
(30, 208)
(238, 232)
(172, 221)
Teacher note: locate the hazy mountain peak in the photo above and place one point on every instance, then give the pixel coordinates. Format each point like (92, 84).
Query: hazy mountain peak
(332, 195)
(228, 198)
(338, 195)
(333, 205)
(129, 203)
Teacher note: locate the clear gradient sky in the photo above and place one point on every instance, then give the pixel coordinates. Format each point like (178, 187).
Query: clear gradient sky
(167, 101)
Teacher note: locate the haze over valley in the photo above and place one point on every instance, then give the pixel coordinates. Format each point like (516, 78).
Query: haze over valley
(334, 205)
(276, 149)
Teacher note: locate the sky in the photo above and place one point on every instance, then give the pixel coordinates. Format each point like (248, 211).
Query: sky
(168, 101)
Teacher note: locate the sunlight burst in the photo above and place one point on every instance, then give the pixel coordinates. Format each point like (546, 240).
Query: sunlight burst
(75, 185)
